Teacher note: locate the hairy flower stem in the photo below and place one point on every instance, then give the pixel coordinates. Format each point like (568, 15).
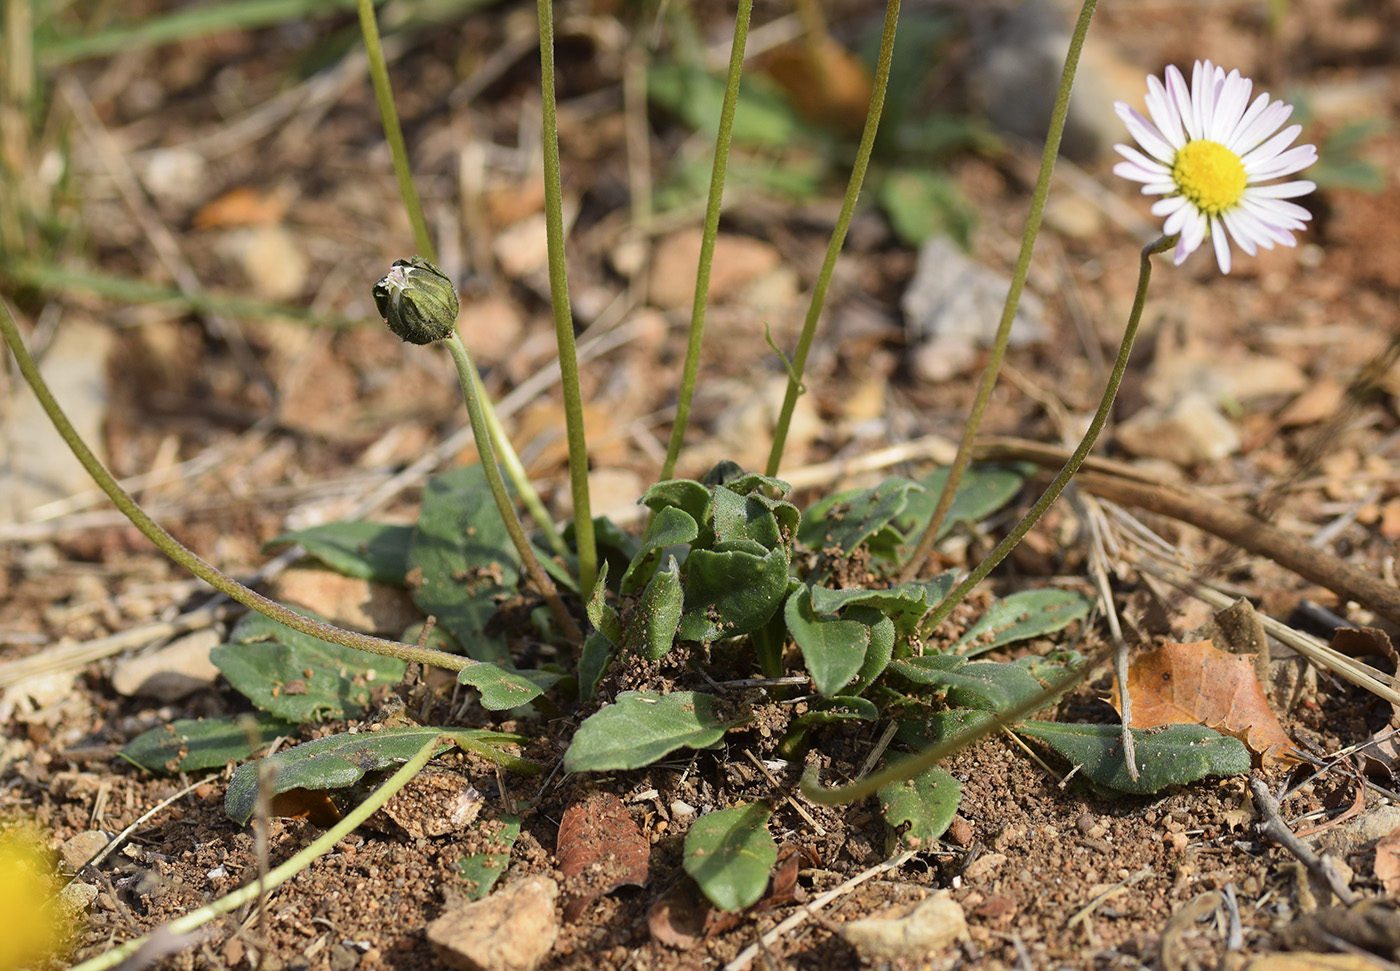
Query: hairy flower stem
(707, 240)
(838, 237)
(322, 845)
(393, 134)
(924, 548)
(1076, 459)
(393, 131)
(563, 315)
(181, 554)
(466, 373)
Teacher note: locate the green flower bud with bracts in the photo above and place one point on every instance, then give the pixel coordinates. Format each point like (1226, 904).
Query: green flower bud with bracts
(417, 301)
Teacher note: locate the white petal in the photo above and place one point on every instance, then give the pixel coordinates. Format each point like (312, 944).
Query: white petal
(1273, 147)
(1275, 225)
(1284, 211)
(1222, 245)
(1198, 97)
(1165, 207)
(1193, 233)
(1282, 190)
(1236, 222)
(1146, 133)
(1262, 127)
(1233, 143)
(1181, 101)
(1143, 162)
(1293, 160)
(1176, 221)
(1164, 114)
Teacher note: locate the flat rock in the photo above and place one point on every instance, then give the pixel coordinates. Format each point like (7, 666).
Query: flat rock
(77, 850)
(1188, 432)
(952, 308)
(739, 262)
(347, 601)
(180, 668)
(511, 930)
(932, 925)
(35, 465)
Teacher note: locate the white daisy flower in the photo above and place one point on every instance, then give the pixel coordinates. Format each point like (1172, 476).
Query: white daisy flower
(1209, 151)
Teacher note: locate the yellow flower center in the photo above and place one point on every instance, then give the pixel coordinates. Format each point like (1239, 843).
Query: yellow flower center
(1210, 175)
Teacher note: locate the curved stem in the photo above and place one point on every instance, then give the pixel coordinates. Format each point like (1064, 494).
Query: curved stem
(563, 315)
(466, 374)
(186, 557)
(707, 239)
(322, 845)
(393, 131)
(838, 236)
(1076, 459)
(929, 757)
(1013, 298)
(515, 471)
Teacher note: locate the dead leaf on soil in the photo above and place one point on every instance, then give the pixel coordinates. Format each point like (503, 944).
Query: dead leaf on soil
(825, 82)
(1387, 868)
(600, 848)
(678, 917)
(1198, 684)
(1382, 755)
(242, 206)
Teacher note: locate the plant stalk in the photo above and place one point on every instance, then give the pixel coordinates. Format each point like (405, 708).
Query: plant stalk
(563, 314)
(466, 374)
(838, 237)
(707, 239)
(1076, 459)
(924, 548)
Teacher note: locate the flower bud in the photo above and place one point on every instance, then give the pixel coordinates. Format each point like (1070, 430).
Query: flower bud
(417, 301)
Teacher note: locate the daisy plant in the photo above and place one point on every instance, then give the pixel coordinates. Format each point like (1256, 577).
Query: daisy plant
(1212, 156)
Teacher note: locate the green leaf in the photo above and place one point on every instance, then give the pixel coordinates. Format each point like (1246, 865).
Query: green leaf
(1171, 756)
(643, 726)
(983, 490)
(191, 744)
(480, 871)
(938, 727)
(1030, 613)
(337, 761)
(593, 663)
(669, 527)
(298, 677)
(370, 551)
(651, 631)
(730, 853)
(984, 685)
(687, 495)
(732, 590)
(905, 604)
(461, 561)
(927, 802)
(834, 649)
(601, 614)
(747, 483)
(840, 524)
(501, 689)
(841, 708)
(921, 204)
(880, 650)
(735, 517)
(761, 116)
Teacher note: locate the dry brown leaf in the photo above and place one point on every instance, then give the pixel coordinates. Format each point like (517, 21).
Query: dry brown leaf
(679, 916)
(826, 83)
(1387, 868)
(1198, 684)
(600, 848)
(243, 206)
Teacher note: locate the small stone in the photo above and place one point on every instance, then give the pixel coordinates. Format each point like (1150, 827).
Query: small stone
(960, 832)
(78, 896)
(932, 925)
(738, 262)
(984, 865)
(180, 668)
(77, 850)
(347, 601)
(511, 930)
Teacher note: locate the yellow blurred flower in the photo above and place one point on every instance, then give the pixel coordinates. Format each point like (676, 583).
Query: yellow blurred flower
(33, 917)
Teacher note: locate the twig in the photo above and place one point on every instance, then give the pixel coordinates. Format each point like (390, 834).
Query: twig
(1277, 830)
(1225, 521)
(787, 796)
(746, 956)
